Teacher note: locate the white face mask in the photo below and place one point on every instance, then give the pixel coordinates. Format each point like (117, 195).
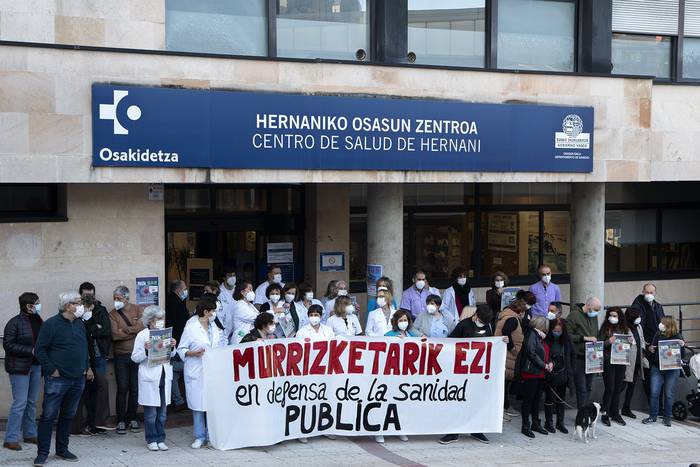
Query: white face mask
(79, 311)
(662, 327)
(118, 305)
(315, 320)
(381, 302)
(159, 324)
(403, 325)
(308, 296)
(551, 316)
(274, 298)
(479, 324)
(613, 320)
(250, 296)
(547, 278)
(649, 297)
(638, 321)
(350, 310)
(231, 281)
(432, 309)
(218, 306)
(527, 307)
(271, 329)
(420, 285)
(212, 317)
(342, 292)
(499, 284)
(462, 281)
(87, 315)
(277, 278)
(289, 298)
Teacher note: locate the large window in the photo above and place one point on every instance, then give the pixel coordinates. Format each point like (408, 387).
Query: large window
(691, 58)
(510, 242)
(630, 240)
(216, 26)
(439, 242)
(536, 34)
(322, 29)
(32, 202)
(634, 54)
(680, 239)
(447, 32)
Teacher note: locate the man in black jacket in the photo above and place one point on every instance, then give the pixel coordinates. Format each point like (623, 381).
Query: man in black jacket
(19, 342)
(479, 325)
(651, 312)
(176, 316)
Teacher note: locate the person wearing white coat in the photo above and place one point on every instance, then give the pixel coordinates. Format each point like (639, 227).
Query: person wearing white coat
(379, 320)
(199, 336)
(344, 321)
(315, 331)
(244, 313)
(306, 299)
(154, 381)
(459, 295)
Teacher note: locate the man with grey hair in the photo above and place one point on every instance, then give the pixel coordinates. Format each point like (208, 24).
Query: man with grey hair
(62, 351)
(125, 320)
(582, 324)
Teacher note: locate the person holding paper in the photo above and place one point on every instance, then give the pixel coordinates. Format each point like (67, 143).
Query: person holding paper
(199, 336)
(344, 322)
(583, 327)
(637, 358)
(378, 321)
(667, 330)
(613, 374)
(154, 381)
(281, 309)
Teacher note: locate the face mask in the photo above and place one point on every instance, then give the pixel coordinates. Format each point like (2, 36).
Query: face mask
(462, 281)
(184, 294)
(308, 296)
(79, 311)
(662, 327)
(277, 278)
(159, 324)
(250, 296)
(547, 279)
(499, 284)
(479, 324)
(350, 310)
(212, 317)
(342, 292)
(118, 305)
(274, 298)
(87, 315)
(289, 298)
(218, 306)
(613, 320)
(592, 313)
(231, 281)
(420, 285)
(315, 320)
(556, 334)
(527, 307)
(649, 297)
(432, 309)
(638, 321)
(37, 308)
(403, 325)
(381, 302)
(551, 316)
(271, 329)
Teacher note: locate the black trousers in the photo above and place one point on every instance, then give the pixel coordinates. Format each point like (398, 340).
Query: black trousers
(614, 381)
(583, 383)
(532, 393)
(127, 376)
(629, 388)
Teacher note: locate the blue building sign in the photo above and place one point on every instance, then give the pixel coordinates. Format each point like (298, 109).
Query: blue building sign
(164, 127)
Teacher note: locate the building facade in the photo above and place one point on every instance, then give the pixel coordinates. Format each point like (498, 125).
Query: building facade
(634, 217)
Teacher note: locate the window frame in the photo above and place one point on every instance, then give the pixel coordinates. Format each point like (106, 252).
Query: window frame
(673, 64)
(59, 214)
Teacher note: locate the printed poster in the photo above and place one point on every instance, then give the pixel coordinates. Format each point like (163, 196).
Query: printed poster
(670, 355)
(147, 291)
(374, 272)
(620, 350)
(594, 357)
(160, 350)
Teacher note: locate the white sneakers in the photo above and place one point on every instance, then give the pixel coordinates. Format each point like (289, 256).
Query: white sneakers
(162, 446)
(304, 440)
(152, 446)
(197, 444)
(157, 446)
(403, 437)
(379, 439)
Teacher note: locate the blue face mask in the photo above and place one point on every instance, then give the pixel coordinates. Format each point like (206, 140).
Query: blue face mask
(592, 314)
(184, 294)
(556, 334)
(37, 308)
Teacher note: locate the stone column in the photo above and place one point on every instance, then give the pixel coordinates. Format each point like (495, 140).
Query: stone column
(587, 241)
(385, 231)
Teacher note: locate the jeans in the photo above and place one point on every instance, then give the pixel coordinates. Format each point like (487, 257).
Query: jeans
(154, 417)
(667, 379)
(583, 383)
(97, 394)
(614, 380)
(61, 399)
(127, 375)
(532, 393)
(21, 421)
(199, 420)
(178, 369)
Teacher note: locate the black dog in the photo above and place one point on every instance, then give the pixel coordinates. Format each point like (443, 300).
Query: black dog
(586, 421)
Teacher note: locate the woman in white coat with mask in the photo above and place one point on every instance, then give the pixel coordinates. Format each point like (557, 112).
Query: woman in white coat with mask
(199, 336)
(379, 320)
(244, 312)
(154, 381)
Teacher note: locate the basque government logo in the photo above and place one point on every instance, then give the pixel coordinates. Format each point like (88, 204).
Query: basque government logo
(109, 112)
(572, 135)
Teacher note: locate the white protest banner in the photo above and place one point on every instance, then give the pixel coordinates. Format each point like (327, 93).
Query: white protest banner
(264, 392)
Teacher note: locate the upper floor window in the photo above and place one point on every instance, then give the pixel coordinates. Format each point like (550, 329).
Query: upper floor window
(32, 202)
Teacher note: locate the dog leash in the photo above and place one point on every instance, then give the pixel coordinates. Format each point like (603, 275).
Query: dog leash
(559, 398)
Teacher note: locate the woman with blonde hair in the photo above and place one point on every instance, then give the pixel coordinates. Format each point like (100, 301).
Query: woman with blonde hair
(379, 320)
(344, 321)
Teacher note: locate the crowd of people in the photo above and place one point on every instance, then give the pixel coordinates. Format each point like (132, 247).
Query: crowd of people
(545, 350)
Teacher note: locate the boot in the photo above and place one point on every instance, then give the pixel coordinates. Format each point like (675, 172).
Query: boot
(537, 428)
(526, 430)
(548, 418)
(560, 417)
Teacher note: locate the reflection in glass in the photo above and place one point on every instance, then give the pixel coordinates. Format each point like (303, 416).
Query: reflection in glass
(447, 32)
(691, 58)
(536, 35)
(510, 242)
(641, 55)
(630, 241)
(322, 28)
(555, 244)
(216, 26)
(442, 243)
(680, 239)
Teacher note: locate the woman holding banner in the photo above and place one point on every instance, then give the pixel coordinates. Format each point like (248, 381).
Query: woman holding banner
(344, 321)
(315, 330)
(154, 381)
(199, 336)
(378, 321)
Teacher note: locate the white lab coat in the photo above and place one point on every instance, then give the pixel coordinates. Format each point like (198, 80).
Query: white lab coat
(337, 324)
(324, 333)
(377, 325)
(244, 315)
(260, 296)
(449, 303)
(227, 306)
(193, 338)
(149, 376)
(303, 312)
